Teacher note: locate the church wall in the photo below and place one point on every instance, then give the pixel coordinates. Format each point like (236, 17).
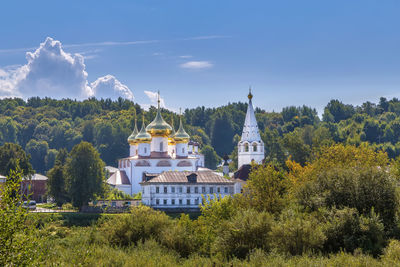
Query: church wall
(156, 144)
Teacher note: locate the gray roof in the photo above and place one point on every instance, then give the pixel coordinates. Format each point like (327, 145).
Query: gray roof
(203, 177)
(36, 177)
(119, 178)
(111, 169)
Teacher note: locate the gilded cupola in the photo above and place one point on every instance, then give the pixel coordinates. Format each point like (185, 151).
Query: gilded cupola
(171, 140)
(158, 127)
(181, 135)
(143, 136)
(131, 138)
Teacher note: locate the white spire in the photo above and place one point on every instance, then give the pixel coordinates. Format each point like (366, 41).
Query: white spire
(250, 131)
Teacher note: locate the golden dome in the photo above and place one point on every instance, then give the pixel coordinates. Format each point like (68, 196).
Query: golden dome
(131, 138)
(143, 136)
(250, 95)
(181, 135)
(158, 127)
(171, 139)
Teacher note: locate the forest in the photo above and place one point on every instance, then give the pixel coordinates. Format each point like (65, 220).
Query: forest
(43, 126)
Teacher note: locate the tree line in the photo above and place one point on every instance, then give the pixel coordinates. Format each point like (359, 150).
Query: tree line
(44, 126)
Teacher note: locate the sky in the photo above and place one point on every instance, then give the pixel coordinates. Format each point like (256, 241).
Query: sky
(202, 53)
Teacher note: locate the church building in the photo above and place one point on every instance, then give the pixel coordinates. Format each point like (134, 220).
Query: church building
(155, 149)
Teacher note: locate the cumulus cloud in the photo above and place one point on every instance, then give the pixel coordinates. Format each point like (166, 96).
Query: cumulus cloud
(196, 65)
(52, 72)
(109, 87)
(153, 97)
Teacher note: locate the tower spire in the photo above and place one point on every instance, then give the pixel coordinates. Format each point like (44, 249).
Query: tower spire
(158, 99)
(250, 96)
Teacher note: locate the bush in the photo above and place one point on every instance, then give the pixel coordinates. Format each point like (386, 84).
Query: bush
(181, 236)
(296, 233)
(347, 230)
(141, 224)
(391, 255)
(246, 231)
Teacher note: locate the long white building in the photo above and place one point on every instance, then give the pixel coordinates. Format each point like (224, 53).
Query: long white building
(155, 149)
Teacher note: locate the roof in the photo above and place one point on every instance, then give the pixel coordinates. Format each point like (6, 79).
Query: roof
(2, 179)
(111, 169)
(119, 178)
(250, 131)
(243, 172)
(36, 177)
(203, 177)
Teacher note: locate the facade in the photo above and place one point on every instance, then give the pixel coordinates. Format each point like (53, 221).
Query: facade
(155, 149)
(35, 187)
(250, 146)
(184, 190)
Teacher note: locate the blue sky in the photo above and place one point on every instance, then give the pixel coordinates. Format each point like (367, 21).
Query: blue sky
(209, 52)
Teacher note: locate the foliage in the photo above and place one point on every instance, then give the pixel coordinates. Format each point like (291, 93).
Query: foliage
(85, 174)
(297, 232)
(141, 224)
(19, 245)
(211, 159)
(11, 156)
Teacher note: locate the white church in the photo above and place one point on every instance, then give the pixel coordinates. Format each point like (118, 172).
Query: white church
(169, 170)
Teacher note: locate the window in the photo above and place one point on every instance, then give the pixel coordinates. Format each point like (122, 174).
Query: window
(180, 190)
(218, 190)
(226, 190)
(173, 201)
(203, 190)
(145, 150)
(188, 202)
(196, 201)
(255, 147)
(183, 150)
(165, 189)
(157, 189)
(196, 190)
(211, 190)
(246, 147)
(180, 201)
(165, 202)
(113, 204)
(173, 189)
(161, 146)
(157, 202)
(188, 189)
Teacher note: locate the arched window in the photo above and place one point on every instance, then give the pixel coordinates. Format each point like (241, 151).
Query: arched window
(161, 146)
(246, 147)
(145, 150)
(255, 147)
(183, 150)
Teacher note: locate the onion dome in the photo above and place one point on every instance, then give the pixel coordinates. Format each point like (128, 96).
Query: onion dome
(143, 136)
(131, 138)
(181, 135)
(158, 127)
(171, 139)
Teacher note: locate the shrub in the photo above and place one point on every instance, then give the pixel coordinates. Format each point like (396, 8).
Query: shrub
(180, 236)
(246, 231)
(347, 230)
(296, 232)
(391, 255)
(141, 224)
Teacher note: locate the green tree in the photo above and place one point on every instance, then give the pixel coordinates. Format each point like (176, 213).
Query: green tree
(57, 186)
(38, 151)
(18, 245)
(12, 155)
(211, 159)
(85, 174)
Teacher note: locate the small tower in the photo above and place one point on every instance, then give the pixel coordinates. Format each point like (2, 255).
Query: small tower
(225, 167)
(182, 140)
(159, 130)
(250, 147)
(133, 144)
(143, 139)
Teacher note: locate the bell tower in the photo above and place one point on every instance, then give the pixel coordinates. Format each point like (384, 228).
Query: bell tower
(250, 146)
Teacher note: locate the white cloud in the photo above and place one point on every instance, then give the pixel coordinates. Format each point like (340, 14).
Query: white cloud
(109, 87)
(153, 96)
(186, 56)
(196, 65)
(51, 72)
